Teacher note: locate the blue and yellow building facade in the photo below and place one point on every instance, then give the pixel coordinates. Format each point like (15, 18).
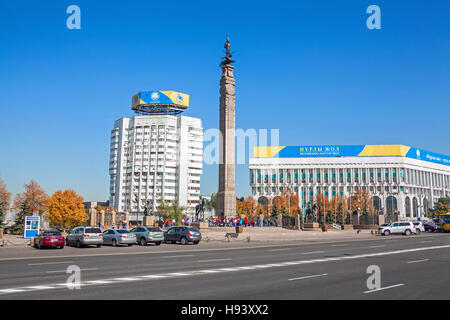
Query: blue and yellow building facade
(401, 179)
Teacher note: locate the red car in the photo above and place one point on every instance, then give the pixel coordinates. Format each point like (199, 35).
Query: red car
(49, 238)
(431, 227)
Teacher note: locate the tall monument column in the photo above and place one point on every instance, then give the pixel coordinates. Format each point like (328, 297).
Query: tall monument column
(226, 196)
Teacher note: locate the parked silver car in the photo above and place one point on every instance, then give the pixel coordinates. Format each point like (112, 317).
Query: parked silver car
(116, 237)
(83, 236)
(148, 234)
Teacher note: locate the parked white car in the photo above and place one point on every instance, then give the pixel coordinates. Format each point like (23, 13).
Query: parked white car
(419, 226)
(404, 227)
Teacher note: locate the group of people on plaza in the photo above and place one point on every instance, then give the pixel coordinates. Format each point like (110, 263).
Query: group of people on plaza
(236, 221)
(212, 222)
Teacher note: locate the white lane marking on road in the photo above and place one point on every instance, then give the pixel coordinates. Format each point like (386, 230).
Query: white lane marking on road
(426, 241)
(99, 282)
(228, 269)
(380, 246)
(176, 274)
(199, 272)
(261, 266)
(213, 260)
(40, 287)
(178, 256)
(338, 245)
(65, 271)
(11, 290)
(390, 287)
(65, 284)
(290, 263)
(44, 263)
(283, 249)
(308, 277)
(417, 261)
(313, 252)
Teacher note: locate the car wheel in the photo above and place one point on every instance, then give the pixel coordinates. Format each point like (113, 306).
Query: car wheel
(130, 244)
(99, 245)
(407, 232)
(143, 242)
(184, 241)
(387, 232)
(61, 247)
(114, 243)
(196, 242)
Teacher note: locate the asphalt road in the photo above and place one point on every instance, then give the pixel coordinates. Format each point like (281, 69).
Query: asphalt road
(414, 267)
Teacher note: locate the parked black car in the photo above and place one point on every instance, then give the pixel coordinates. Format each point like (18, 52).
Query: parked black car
(183, 235)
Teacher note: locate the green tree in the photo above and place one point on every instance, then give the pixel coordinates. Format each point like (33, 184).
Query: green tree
(176, 212)
(441, 206)
(211, 204)
(274, 210)
(162, 210)
(5, 200)
(23, 211)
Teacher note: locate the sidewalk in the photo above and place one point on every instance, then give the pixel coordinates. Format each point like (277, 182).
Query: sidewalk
(14, 241)
(280, 234)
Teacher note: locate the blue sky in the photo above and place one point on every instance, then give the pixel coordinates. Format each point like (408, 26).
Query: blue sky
(309, 68)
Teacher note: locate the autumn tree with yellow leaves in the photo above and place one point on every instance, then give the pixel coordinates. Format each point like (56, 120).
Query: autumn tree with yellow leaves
(286, 202)
(66, 210)
(247, 207)
(363, 200)
(35, 197)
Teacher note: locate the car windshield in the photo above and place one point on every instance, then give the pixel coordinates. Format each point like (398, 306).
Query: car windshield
(92, 230)
(154, 229)
(51, 233)
(194, 229)
(122, 231)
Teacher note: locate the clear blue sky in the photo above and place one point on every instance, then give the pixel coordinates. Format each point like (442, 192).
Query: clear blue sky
(310, 68)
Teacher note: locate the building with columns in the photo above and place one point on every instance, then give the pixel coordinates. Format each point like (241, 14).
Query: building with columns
(400, 178)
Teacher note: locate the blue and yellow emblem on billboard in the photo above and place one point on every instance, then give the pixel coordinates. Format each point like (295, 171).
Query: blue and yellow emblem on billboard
(160, 97)
(160, 102)
(395, 150)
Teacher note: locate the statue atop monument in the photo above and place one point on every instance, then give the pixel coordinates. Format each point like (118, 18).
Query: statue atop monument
(227, 59)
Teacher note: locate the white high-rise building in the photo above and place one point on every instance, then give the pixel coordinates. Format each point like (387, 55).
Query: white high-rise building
(155, 157)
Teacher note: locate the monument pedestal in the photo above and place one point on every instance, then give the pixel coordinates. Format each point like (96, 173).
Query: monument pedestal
(199, 225)
(312, 226)
(297, 222)
(148, 221)
(381, 219)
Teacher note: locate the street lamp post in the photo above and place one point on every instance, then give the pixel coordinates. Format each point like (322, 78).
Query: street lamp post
(136, 199)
